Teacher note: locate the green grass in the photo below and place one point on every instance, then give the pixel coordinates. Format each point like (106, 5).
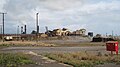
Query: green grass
(14, 60)
(5, 45)
(83, 59)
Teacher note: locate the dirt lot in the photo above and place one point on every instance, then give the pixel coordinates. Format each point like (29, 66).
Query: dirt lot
(49, 43)
(71, 43)
(62, 46)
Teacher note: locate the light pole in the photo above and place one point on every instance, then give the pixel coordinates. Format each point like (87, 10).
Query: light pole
(3, 24)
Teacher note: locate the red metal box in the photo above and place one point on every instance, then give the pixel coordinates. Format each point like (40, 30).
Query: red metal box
(112, 46)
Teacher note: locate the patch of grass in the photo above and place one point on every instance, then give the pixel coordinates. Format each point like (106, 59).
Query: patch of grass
(14, 60)
(83, 59)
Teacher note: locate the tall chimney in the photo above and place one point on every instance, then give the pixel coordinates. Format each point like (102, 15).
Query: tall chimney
(21, 29)
(37, 29)
(37, 20)
(46, 29)
(25, 29)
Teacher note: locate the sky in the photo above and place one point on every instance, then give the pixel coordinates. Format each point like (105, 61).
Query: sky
(98, 16)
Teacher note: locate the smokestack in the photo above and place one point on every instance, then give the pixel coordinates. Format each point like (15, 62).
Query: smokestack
(25, 29)
(37, 29)
(21, 29)
(37, 20)
(46, 29)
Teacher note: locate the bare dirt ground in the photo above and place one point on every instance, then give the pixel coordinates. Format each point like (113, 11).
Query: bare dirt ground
(50, 43)
(45, 63)
(60, 46)
(42, 61)
(73, 43)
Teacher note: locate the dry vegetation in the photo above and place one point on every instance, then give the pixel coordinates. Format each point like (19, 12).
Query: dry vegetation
(79, 44)
(83, 44)
(47, 44)
(84, 59)
(25, 43)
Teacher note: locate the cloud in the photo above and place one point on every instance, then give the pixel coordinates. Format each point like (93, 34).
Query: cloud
(73, 14)
(100, 7)
(2, 3)
(61, 4)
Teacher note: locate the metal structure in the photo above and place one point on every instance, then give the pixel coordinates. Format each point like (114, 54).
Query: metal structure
(3, 24)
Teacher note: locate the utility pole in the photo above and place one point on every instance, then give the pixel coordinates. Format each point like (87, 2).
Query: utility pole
(3, 24)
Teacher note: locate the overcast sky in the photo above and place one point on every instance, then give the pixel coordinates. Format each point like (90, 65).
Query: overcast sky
(99, 16)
